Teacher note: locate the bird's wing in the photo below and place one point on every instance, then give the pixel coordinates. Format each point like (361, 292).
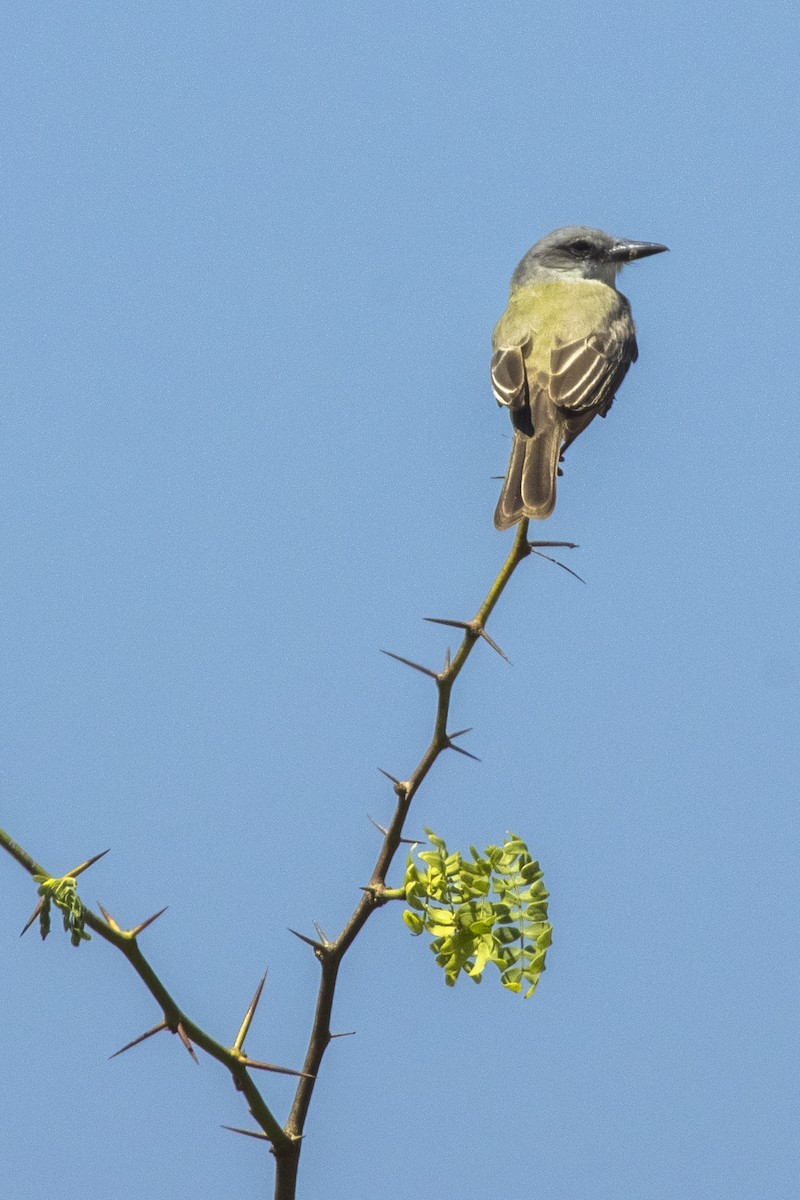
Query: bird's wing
(584, 375)
(509, 376)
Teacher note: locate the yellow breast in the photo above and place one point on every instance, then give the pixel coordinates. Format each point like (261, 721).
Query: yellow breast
(555, 312)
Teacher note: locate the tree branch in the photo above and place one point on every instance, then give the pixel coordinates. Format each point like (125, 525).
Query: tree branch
(375, 893)
(286, 1142)
(175, 1019)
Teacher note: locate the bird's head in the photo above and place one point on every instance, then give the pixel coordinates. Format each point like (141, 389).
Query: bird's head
(577, 252)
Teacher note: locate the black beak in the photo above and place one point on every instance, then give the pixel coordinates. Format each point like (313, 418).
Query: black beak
(623, 251)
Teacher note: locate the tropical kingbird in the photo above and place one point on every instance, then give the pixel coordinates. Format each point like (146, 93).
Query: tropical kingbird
(561, 350)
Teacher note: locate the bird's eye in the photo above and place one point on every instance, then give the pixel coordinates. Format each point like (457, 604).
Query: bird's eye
(580, 246)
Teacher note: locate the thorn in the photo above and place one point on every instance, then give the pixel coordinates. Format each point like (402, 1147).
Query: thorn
(416, 666)
(460, 749)
(109, 919)
(472, 627)
(139, 928)
(490, 642)
(466, 753)
(553, 545)
(385, 832)
(350, 1033)
(85, 866)
(156, 1029)
(555, 561)
(182, 1034)
(33, 916)
(447, 659)
(325, 941)
(262, 1137)
(451, 624)
(380, 894)
(264, 1066)
(248, 1016)
(317, 947)
(400, 787)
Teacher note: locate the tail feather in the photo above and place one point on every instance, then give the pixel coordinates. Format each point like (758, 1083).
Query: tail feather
(509, 506)
(541, 470)
(529, 488)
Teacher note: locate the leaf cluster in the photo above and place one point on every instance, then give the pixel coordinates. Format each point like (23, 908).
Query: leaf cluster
(64, 894)
(492, 909)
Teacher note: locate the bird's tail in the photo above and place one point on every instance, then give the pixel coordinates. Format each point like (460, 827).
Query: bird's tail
(529, 488)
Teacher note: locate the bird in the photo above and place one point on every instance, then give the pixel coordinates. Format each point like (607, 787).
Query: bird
(560, 351)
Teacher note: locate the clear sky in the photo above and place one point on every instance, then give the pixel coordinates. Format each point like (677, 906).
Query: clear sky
(252, 255)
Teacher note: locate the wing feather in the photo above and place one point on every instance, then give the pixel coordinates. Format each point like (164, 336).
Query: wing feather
(510, 376)
(585, 374)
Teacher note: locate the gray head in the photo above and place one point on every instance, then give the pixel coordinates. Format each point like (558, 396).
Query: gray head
(577, 252)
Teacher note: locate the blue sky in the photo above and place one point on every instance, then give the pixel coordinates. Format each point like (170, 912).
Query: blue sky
(252, 257)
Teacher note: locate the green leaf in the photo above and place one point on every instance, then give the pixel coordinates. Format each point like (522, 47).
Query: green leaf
(414, 923)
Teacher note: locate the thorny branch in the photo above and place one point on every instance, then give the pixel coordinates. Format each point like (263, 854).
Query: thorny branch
(376, 892)
(285, 1142)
